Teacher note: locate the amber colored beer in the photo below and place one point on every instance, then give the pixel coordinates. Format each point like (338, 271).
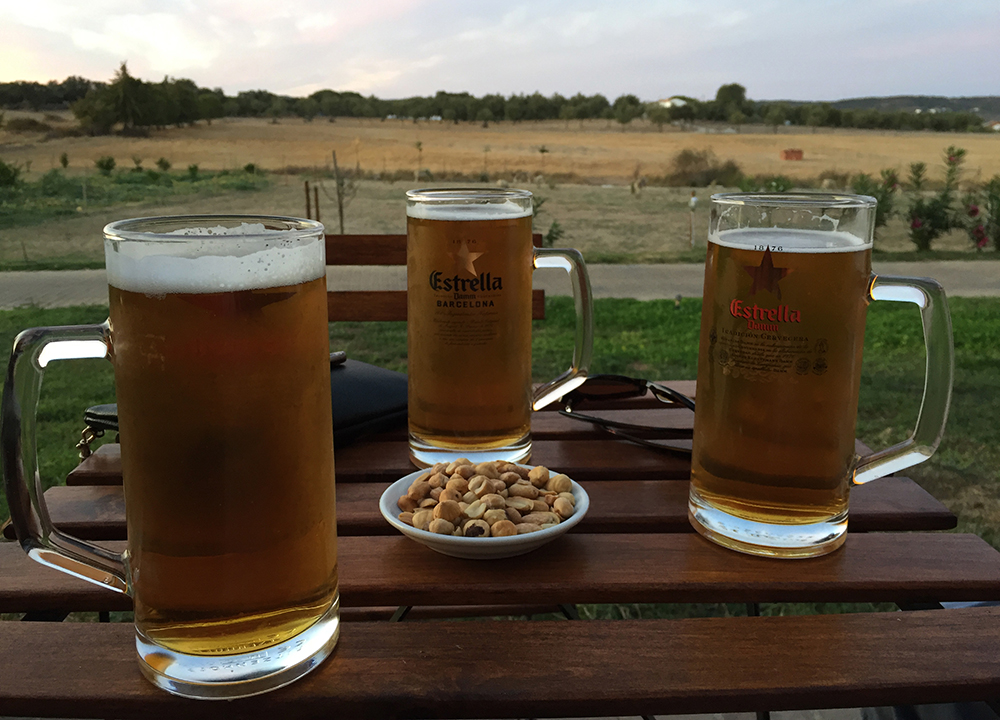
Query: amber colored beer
(469, 329)
(227, 455)
(779, 370)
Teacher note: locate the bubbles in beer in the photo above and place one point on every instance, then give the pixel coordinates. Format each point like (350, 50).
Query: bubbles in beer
(785, 240)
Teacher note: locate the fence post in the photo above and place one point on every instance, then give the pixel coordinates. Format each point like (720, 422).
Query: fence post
(308, 208)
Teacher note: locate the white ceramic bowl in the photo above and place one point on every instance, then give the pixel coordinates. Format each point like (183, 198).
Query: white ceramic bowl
(478, 548)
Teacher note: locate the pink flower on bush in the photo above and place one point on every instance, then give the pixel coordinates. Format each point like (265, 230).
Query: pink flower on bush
(973, 211)
(979, 235)
(916, 224)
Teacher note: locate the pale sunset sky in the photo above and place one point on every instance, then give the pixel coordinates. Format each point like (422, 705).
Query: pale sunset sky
(777, 49)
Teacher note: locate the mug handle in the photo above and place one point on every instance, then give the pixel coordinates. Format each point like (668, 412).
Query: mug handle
(936, 320)
(572, 262)
(33, 350)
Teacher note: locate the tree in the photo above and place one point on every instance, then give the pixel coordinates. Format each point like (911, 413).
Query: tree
(775, 116)
(731, 96)
(126, 98)
(626, 108)
(658, 115)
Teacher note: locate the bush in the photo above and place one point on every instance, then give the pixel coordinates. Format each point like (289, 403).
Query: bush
(766, 183)
(930, 217)
(981, 214)
(700, 168)
(64, 160)
(27, 125)
(193, 172)
(105, 165)
(10, 174)
(250, 168)
(55, 184)
(163, 164)
(883, 190)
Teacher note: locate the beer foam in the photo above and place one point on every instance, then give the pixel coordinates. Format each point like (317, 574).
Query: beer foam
(507, 210)
(218, 261)
(789, 240)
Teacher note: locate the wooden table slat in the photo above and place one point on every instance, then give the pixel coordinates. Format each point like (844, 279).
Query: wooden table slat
(543, 669)
(893, 504)
(579, 568)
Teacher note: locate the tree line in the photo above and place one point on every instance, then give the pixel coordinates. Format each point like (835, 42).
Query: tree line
(137, 105)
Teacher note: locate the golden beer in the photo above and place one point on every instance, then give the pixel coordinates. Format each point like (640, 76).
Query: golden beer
(227, 454)
(469, 331)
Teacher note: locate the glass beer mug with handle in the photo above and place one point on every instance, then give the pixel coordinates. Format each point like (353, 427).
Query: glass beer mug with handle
(219, 339)
(788, 281)
(469, 260)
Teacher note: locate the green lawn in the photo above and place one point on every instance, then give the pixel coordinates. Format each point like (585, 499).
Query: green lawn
(655, 340)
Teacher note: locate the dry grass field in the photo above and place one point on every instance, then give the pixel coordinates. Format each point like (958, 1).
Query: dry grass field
(587, 170)
(592, 151)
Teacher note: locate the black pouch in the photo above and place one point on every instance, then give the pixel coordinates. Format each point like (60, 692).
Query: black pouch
(365, 399)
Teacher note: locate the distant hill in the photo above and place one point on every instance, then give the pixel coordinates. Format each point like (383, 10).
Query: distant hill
(988, 106)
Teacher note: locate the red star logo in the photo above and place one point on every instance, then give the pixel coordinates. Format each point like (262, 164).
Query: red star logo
(766, 276)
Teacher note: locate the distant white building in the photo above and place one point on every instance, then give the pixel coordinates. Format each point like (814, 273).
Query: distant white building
(994, 126)
(670, 102)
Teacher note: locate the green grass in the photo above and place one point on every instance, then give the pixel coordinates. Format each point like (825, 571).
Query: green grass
(58, 195)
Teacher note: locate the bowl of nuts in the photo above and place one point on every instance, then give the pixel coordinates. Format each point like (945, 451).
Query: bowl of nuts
(486, 510)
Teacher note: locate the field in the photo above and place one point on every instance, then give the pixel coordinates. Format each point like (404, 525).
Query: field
(584, 176)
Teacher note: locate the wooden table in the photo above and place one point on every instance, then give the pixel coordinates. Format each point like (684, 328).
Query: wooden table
(634, 546)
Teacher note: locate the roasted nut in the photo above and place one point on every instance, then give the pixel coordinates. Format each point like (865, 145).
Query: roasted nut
(407, 504)
(495, 515)
(563, 507)
(513, 515)
(559, 483)
(492, 500)
(406, 517)
(420, 490)
(480, 485)
(441, 527)
(422, 519)
(476, 510)
(522, 471)
(458, 483)
(522, 505)
(476, 528)
(427, 502)
(423, 477)
(489, 469)
(436, 493)
(504, 528)
(568, 496)
(447, 494)
(509, 478)
(541, 518)
(447, 510)
(523, 489)
(540, 505)
(437, 480)
(538, 476)
(453, 466)
(466, 471)
(549, 498)
(525, 528)
(469, 497)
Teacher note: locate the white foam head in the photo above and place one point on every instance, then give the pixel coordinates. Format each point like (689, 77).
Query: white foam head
(507, 210)
(214, 259)
(790, 240)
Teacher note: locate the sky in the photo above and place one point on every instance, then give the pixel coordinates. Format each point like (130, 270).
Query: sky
(776, 49)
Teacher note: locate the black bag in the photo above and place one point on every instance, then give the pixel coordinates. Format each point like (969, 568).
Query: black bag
(365, 399)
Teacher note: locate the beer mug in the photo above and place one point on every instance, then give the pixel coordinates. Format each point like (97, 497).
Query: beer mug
(787, 285)
(469, 260)
(219, 339)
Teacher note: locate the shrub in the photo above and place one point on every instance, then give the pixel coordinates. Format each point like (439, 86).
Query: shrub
(250, 168)
(883, 190)
(700, 168)
(105, 165)
(10, 174)
(163, 164)
(64, 160)
(55, 184)
(930, 217)
(193, 172)
(137, 161)
(766, 183)
(981, 214)
(20, 125)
